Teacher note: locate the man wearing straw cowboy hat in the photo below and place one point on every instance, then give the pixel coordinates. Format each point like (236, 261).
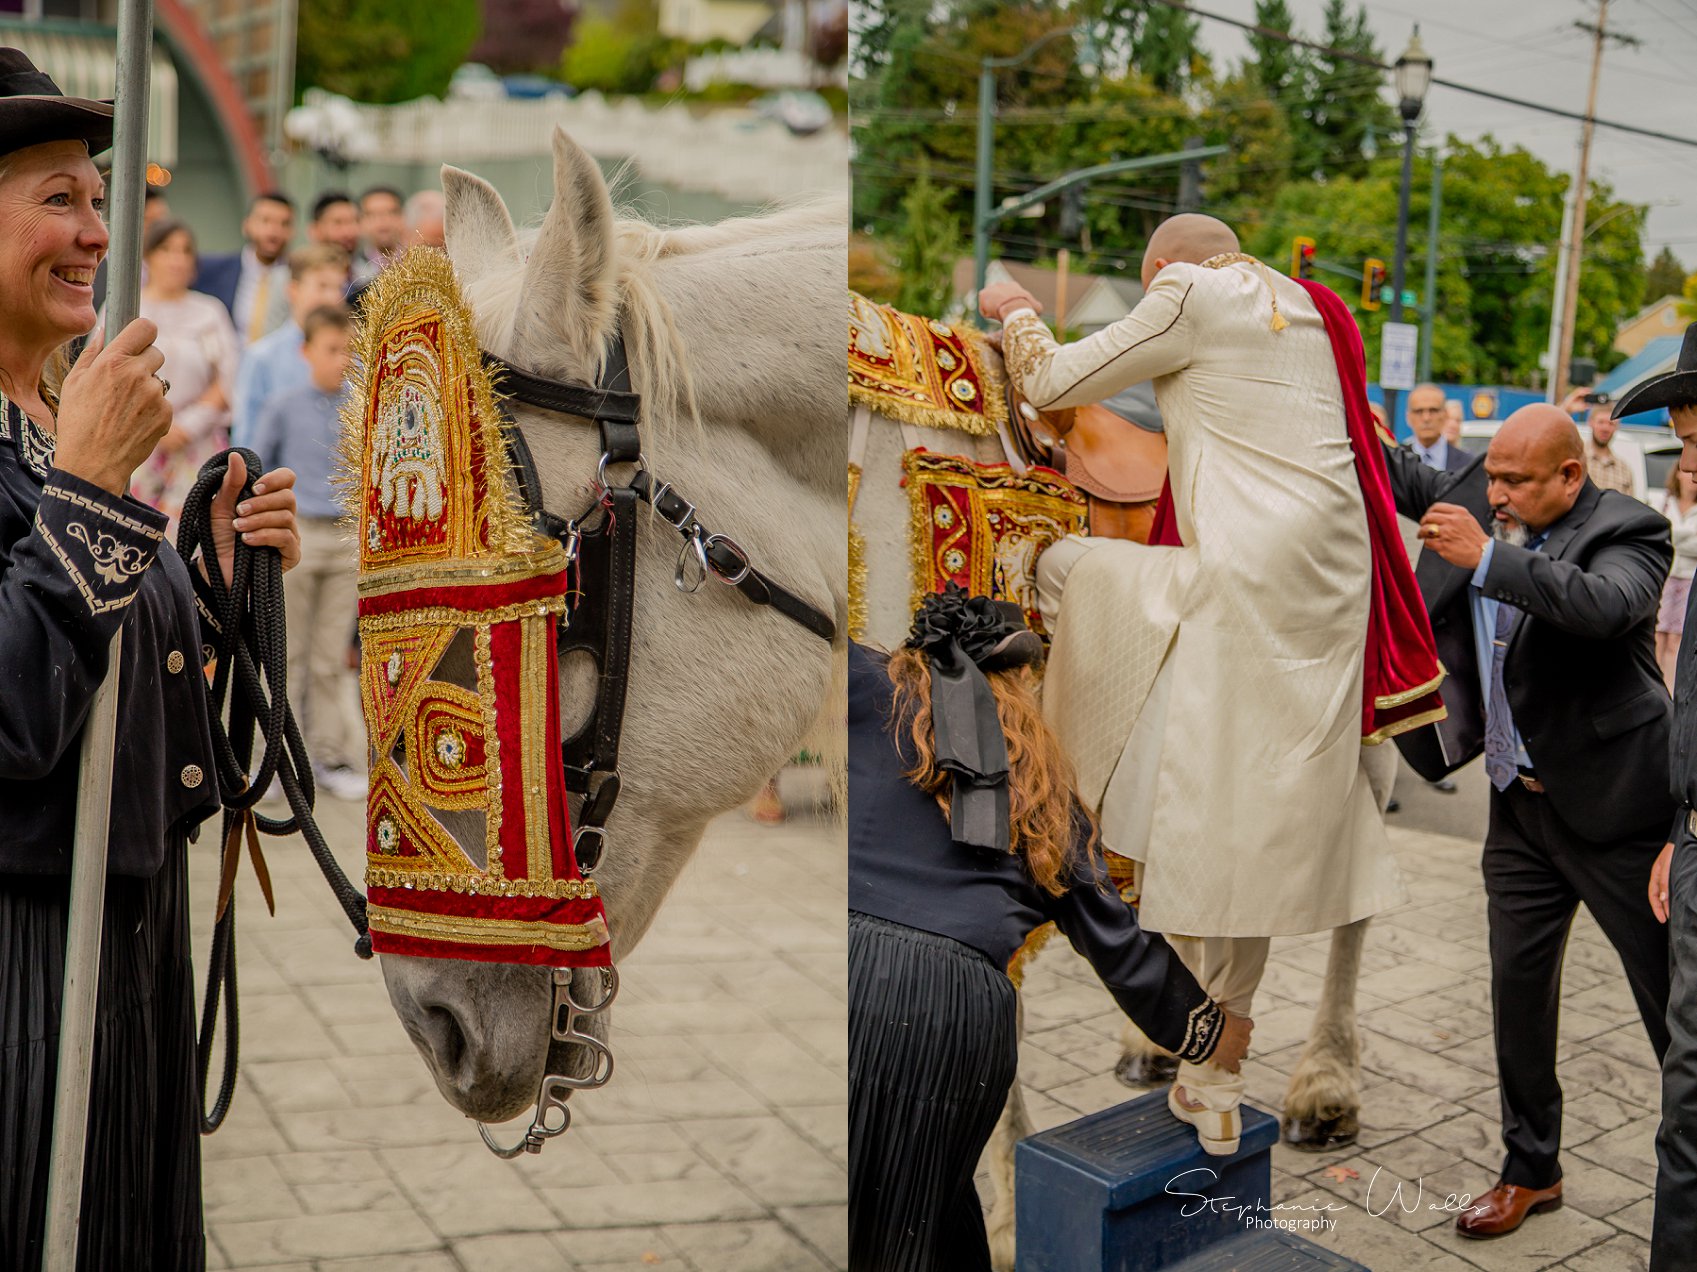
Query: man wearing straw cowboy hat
(78, 562)
(1673, 880)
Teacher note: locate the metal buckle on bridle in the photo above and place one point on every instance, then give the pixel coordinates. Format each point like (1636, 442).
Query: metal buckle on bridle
(553, 1115)
(735, 549)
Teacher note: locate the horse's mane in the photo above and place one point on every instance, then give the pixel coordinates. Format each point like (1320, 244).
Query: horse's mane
(659, 359)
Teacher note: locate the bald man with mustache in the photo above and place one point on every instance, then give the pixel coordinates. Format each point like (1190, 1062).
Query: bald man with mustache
(1543, 592)
(1210, 690)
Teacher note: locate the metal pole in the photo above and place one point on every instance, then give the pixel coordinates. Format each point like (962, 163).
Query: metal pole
(1429, 316)
(94, 781)
(981, 187)
(1551, 393)
(1569, 299)
(1400, 268)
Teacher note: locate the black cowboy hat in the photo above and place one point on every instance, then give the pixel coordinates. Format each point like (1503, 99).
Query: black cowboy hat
(33, 110)
(1674, 388)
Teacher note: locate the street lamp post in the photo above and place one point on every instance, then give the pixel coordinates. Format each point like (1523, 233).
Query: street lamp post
(1413, 78)
(987, 69)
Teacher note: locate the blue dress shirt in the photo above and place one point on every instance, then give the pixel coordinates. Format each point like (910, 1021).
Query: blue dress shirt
(1484, 627)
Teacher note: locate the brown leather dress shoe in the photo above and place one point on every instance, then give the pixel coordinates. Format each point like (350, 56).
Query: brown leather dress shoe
(1503, 1209)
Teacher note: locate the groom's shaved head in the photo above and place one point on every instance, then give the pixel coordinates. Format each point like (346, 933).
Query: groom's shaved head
(1189, 237)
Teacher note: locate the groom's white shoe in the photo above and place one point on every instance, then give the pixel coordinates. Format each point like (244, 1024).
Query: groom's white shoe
(1217, 1130)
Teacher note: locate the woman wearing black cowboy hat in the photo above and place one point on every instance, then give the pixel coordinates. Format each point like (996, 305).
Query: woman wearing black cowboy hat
(1673, 880)
(79, 560)
(964, 835)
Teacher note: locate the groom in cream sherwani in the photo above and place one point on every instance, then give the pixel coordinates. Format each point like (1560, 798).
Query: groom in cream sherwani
(1211, 694)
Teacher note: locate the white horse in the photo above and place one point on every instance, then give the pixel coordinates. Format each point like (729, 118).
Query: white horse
(734, 343)
(1322, 1102)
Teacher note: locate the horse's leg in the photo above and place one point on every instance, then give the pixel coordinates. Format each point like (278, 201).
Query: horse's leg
(1013, 1126)
(1323, 1103)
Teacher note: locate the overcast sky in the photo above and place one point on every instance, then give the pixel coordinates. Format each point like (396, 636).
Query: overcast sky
(1530, 49)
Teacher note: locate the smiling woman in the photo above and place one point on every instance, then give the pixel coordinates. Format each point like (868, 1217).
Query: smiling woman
(78, 560)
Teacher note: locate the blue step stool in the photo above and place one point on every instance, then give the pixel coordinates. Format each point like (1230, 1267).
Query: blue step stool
(1122, 1191)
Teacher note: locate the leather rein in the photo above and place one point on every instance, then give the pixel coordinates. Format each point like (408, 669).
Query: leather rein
(600, 543)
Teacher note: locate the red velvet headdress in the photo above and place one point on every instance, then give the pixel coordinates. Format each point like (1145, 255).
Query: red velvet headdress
(459, 602)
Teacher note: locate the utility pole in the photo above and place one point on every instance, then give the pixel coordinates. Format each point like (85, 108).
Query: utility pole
(1568, 298)
(1429, 313)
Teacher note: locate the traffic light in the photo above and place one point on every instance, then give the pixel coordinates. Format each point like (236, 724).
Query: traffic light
(1372, 282)
(1302, 257)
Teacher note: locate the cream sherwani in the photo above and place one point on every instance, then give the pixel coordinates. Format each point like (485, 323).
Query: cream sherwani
(1210, 695)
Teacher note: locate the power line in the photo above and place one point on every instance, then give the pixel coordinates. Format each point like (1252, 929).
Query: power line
(1361, 59)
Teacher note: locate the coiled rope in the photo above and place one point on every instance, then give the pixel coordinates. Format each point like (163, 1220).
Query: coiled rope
(249, 694)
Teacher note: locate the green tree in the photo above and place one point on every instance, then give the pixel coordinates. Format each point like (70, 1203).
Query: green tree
(1343, 104)
(1500, 219)
(1688, 306)
(1280, 68)
(380, 50)
(1166, 50)
(1666, 276)
(926, 248)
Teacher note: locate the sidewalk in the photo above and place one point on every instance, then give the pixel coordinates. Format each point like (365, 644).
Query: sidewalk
(1429, 1094)
(720, 1145)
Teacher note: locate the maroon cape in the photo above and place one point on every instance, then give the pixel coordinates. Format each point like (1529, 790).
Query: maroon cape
(1402, 672)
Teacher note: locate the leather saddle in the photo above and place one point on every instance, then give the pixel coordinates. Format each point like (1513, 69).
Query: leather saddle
(1114, 452)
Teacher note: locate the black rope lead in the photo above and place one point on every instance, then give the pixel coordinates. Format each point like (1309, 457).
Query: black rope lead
(250, 693)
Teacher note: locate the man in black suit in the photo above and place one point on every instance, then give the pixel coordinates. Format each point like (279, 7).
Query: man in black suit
(1673, 883)
(1427, 416)
(253, 283)
(1543, 593)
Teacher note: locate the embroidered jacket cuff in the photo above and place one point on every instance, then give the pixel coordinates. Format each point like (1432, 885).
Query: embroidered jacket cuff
(103, 542)
(1026, 342)
(1202, 1030)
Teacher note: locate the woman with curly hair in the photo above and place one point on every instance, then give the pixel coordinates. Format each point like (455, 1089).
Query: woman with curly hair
(964, 835)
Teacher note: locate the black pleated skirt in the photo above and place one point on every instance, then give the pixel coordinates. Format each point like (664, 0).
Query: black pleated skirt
(933, 1049)
(141, 1206)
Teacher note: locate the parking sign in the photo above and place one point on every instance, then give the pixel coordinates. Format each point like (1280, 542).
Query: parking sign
(1399, 343)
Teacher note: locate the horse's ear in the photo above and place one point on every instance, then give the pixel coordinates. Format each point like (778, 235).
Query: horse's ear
(568, 286)
(478, 227)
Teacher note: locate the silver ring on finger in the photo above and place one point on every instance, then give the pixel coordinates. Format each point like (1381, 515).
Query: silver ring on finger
(164, 384)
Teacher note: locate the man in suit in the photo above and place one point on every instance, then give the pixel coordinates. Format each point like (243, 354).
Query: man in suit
(1543, 593)
(253, 283)
(1673, 882)
(1427, 416)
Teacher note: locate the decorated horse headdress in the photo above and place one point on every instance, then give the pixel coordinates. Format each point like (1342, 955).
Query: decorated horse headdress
(460, 605)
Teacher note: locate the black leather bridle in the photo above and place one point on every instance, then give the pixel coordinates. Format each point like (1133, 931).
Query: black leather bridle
(603, 548)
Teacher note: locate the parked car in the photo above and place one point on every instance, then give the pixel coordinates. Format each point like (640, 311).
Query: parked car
(1647, 452)
(535, 86)
(475, 82)
(801, 111)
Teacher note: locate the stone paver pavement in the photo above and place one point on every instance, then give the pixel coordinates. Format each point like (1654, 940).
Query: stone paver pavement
(1429, 1093)
(720, 1146)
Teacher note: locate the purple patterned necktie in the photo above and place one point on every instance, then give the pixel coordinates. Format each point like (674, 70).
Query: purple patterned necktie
(1501, 766)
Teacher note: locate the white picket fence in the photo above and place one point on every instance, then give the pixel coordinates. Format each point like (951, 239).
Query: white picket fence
(730, 152)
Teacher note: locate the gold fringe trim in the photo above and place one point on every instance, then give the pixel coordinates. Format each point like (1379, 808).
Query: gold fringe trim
(1405, 726)
(476, 931)
(992, 385)
(859, 607)
(1409, 695)
(481, 885)
(442, 616)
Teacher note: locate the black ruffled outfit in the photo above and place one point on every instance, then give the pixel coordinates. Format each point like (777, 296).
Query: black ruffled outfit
(76, 563)
(932, 1032)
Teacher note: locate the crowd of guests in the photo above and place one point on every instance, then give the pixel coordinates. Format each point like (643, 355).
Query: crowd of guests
(256, 349)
